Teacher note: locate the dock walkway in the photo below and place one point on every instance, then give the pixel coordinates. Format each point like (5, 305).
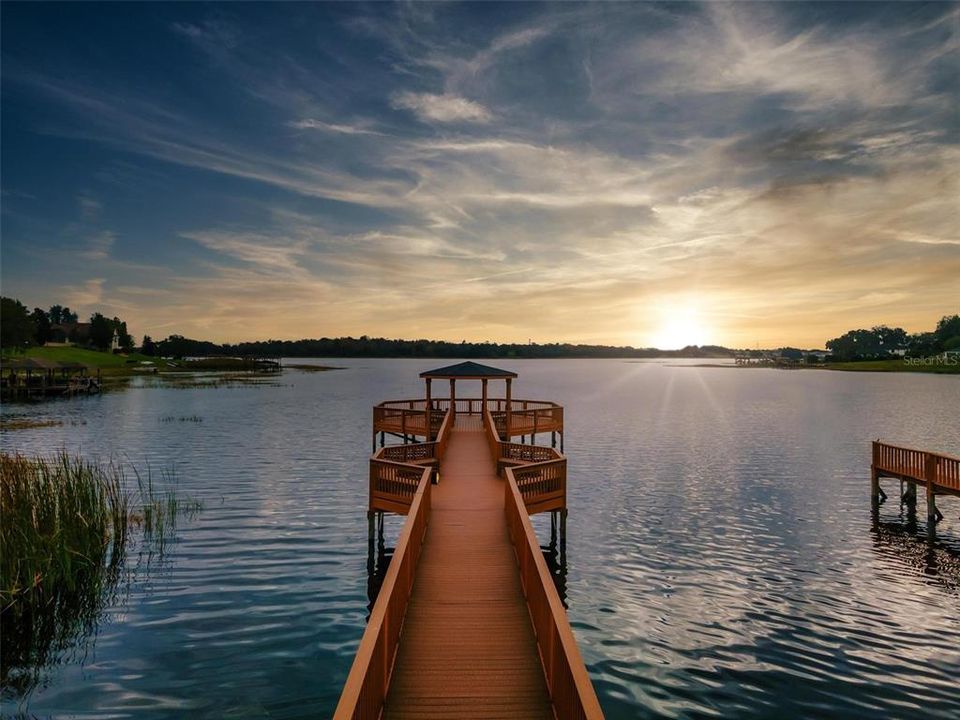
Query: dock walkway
(467, 621)
(468, 647)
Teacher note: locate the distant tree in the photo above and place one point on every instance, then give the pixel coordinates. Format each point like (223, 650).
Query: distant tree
(16, 327)
(879, 341)
(56, 314)
(948, 332)
(148, 348)
(791, 353)
(101, 332)
(41, 326)
(66, 316)
(922, 344)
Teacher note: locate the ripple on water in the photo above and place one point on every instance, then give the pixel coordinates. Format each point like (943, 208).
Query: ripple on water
(722, 561)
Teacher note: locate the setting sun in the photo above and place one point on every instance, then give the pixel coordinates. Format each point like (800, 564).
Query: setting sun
(679, 326)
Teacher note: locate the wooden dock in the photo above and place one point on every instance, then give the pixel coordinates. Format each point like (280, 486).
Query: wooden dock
(467, 622)
(937, 473)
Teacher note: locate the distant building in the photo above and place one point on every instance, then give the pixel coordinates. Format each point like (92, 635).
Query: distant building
(69, 333)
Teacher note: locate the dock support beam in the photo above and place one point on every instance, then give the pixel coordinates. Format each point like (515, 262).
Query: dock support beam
(429, 408)
(509, 405)
(930, 473)
(877, 495)
(910, 496)
(453, 399)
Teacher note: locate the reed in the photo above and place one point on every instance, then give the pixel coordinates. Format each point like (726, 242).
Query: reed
(63, 541)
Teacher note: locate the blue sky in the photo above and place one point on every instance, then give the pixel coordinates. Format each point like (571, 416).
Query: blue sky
(619, 173)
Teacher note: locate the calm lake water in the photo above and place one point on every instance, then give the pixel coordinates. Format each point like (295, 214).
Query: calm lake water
(721, 557)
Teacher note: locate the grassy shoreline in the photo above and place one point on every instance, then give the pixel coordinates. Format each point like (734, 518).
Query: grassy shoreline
(897, 366)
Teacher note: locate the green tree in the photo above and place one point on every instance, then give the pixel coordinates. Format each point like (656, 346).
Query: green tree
(148, 348)
(124, 337)
(948, 332)
(101, 331)
(55, 314)
(41, 326)
(67, 316)
(16, 327)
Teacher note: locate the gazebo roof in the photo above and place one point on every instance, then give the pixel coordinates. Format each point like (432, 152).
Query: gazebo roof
(468, 371)
(33, 363)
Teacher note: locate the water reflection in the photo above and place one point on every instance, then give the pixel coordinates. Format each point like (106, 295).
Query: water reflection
(50, 627)
(38, 631)
(915, 545)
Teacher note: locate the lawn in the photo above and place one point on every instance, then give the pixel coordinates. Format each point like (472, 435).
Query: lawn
(91, 358)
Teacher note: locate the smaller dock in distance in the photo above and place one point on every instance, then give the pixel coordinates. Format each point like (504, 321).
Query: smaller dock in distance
(937, 473)
(23, 378)
(468, 622)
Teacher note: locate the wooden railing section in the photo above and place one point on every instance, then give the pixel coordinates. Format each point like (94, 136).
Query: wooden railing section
(408, 417)
(540, 472)
(393, 485)
(395, 470)
(940, 471)
(543, 485)
(366, 688)
(571, 691)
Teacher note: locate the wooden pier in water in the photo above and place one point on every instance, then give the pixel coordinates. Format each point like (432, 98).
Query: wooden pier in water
(467, 622)
(937, 473)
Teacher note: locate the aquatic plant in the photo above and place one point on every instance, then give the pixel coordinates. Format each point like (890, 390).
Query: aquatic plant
(63, 542)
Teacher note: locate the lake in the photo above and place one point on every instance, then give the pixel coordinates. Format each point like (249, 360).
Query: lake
(722, 560)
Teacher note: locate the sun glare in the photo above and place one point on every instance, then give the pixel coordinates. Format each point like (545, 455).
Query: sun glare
(679, 327)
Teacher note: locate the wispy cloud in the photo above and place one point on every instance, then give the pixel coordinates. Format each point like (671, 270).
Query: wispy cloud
(588, 161)
(441, 108)
(311, 124)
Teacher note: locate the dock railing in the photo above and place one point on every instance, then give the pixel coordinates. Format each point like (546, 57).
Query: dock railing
(408, 417)
(568, 682)
(937, 470)
(539, 472)
(395, 470)
(366, 687)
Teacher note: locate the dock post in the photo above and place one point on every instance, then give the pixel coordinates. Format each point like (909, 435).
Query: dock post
(553, 438)
(930, 471)
(874, 477)
(910, 496)
(371, 522)
(563, 537)
(876, 492)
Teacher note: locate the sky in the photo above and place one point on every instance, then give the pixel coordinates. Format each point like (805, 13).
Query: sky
(648, 174)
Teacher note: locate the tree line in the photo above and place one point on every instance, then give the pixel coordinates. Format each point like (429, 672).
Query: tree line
(364, 346)
(20, 328)
(884, 342)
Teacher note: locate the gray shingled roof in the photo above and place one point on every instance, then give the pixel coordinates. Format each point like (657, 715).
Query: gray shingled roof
(468, 369)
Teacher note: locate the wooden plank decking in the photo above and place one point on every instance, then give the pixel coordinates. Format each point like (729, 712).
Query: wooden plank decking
(468, 648)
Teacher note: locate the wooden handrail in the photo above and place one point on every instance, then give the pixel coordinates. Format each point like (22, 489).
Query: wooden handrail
(366, 687)
(568, 683)
(443, 437)
(939, 469)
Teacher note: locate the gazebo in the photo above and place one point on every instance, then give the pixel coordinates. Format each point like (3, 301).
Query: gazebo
(467, 371)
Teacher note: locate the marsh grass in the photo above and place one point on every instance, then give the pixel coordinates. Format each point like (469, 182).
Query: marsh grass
(67, 525)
